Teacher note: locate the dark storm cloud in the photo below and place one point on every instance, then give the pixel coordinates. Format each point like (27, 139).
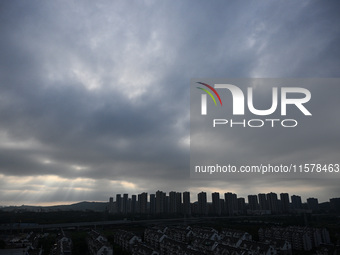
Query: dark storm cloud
(100, 90)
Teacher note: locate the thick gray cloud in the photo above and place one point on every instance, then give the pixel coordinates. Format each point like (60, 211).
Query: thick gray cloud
(94, 97)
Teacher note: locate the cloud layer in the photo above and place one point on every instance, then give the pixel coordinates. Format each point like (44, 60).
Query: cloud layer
(94, 97)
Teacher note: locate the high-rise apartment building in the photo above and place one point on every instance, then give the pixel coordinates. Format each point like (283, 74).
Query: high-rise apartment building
(231, 205)
(178, 202)
(111, 205)
(263, 201)
(216, 207)
(133, 204)
(273, 202)
(202, 203)
(143, 203)
(118, 203)
(296, 202)
(313, 204)
(186, 203)
(172, 202)
(241, 202)
(160, 202)
(253, 203)
(125, 203)
(284, 197)
(152, 204)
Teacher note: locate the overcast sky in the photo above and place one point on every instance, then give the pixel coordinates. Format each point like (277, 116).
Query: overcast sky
(94, 96)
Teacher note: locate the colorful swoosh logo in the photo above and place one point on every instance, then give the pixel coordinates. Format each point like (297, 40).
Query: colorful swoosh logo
(209, 93)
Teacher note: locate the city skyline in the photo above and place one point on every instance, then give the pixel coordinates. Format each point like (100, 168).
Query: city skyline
(186, 197)
(210, 200)
(94, 97)
(192, 197)
(159, 202)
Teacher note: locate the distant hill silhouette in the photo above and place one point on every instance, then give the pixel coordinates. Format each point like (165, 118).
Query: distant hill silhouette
(81, 206)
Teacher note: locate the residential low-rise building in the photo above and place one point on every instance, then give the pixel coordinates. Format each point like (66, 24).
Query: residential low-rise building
(98, 244)
(257, 248)
(179, 233)
(140, 248)
(300, 238)
(154, 237)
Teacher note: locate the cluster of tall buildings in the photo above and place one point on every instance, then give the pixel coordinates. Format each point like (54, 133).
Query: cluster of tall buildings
(271, 202)
(158, 203)
(221, 204)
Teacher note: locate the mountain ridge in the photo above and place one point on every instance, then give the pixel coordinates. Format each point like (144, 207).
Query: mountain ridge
(80, 206)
